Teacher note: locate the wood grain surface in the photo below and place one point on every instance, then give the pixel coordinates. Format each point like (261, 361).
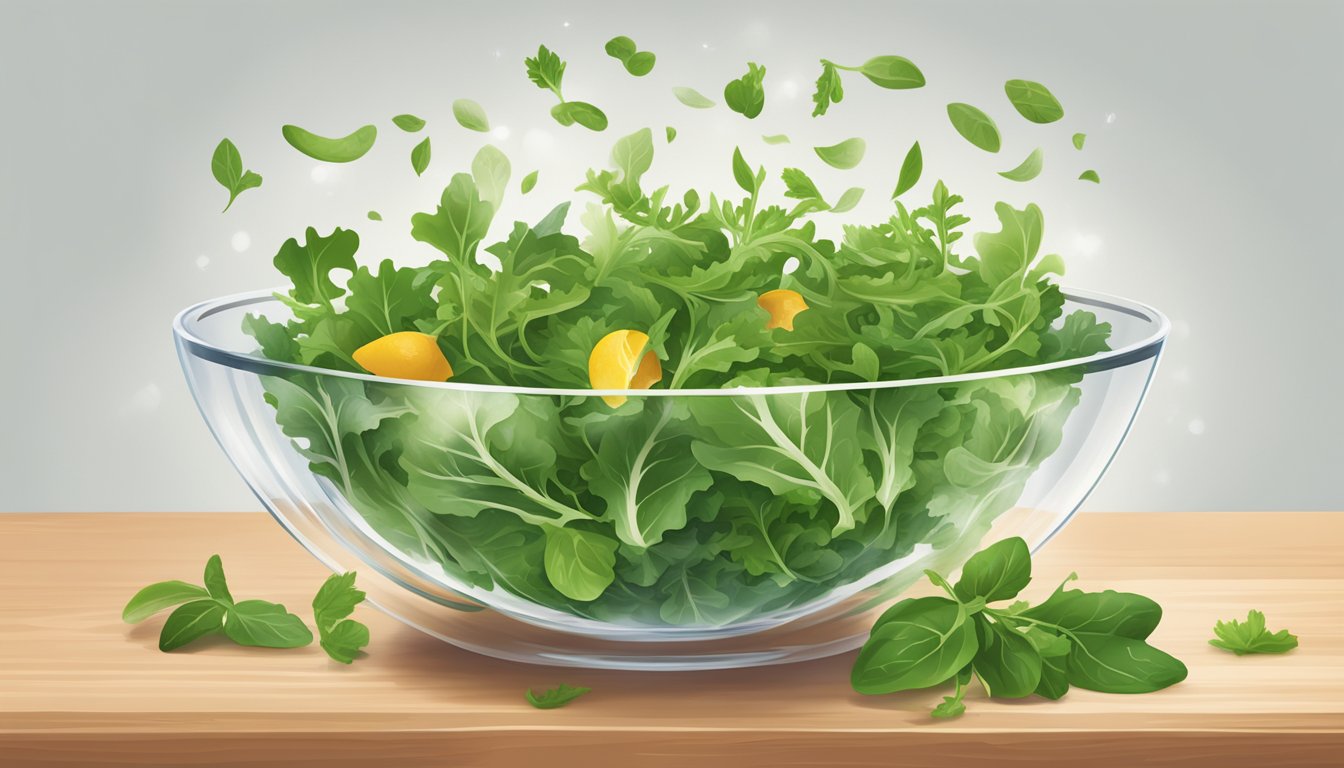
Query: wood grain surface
(77, 686)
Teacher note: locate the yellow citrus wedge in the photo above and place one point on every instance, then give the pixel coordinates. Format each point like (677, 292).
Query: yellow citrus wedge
(615, 363)
(405, 355)
(783, 305)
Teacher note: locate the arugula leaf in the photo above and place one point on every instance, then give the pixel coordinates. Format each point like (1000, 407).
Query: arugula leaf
(309, 266)
(471, 115)
(346, 149)
(340, 637)
(910, 171)
(190, 623)
(844, 155)
(227, 167)
(829, 89)
(1033, 101)
(1251, 636)
(420, 157)
(1089, 175)
(1029, 168)
(156, 597)
(746, 95)
(408, 123)
(692, 98)
(974, 126)
(555, 697)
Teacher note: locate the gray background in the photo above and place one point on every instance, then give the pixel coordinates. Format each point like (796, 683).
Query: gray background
(1214, 126)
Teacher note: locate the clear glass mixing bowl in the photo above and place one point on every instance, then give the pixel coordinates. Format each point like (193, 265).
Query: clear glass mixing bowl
(447, 497)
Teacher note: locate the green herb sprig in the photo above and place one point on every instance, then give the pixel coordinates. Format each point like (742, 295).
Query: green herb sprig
(547, 71)
(1251, 636)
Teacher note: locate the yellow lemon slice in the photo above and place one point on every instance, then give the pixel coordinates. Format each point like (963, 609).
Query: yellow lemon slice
(405, 355)
(615, 363)
(783, 305)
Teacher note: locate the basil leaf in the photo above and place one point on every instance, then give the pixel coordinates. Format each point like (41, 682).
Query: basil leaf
(746, 95)
(266, 625)
(777, 138)
(1114, 664)
(529, 181)
(344, 640)
(156, 597)
(917, 643)
(848, 200)
(1033, 101)
(227, 167)
(375, 216)
(692, 98)
(844, 155)
(343, 150)
(974, 126)
(214, 580)
(1078, 139)
(671, 134)
(910, 171)
(1007, 662)
(742, 173)
(420, 157)
(471, 116)
(1028, 169)
(1089, 175)
(555, 697)
(1054, 678)
(408, 123)
(190, 622)
(1110, 612)
(895, 72)
(581, 112)
(997, 572)
(580, 564)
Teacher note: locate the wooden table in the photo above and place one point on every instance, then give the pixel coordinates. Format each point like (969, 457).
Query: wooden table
(79, 686)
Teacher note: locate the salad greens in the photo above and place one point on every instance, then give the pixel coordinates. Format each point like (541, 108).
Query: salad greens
(420, 157)
(1078, 139)
(1033, 101)
(227, 167)
(692, 98)
(892, 72)
(1251, 636)
(746, 95)
(845, 155)
(1028, 169)
(911, 169)
(1092, 640)
(636, 62)
(471, 115)
(529, 181)
(343, 150)
(408, 123)
(692, 511)
(1090, 175)
(555, 697)
(974, 126)
(546, 70)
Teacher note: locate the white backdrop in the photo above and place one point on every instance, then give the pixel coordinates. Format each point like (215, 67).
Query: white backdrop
(1214, 126)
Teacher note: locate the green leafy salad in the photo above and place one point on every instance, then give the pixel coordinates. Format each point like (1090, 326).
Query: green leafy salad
(698, 510)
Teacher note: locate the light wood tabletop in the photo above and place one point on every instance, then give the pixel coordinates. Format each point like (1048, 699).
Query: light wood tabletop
(77, 686)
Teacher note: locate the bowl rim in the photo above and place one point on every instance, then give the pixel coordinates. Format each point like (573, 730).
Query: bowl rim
(1145, 348)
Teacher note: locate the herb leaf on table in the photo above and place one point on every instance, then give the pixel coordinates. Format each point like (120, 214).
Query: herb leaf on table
(1251, 636)
(555, 697)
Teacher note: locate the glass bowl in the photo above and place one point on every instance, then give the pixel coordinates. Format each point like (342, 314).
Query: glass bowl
(512, 522)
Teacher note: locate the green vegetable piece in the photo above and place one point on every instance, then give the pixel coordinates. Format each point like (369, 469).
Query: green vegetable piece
(343, 150)
(1033, 101)
(579, 563)
(910, 171)
(191, 622)
(829, 89)
(953, 706)
(1251, 636)
(621, 48)
(214, 581)
(309, 266)
(799, 186)
(491, 170)
(529, 181)
(555, 697)
(408, 123)
(636, 62)
(1078, 139)
(974, 126)
(266, 625)
(848, 199)
(546, 70)
(1007, 663)
(777, 138)
(341, 637)
(585, 114)
(1115, 664)
(471, 115)
(997, 572)
(742, 173)
(1111, 613)
(671, 134)
(1029, 168)
(894, 72)
(156, 597)
(641, 63)
(692, 98)
(375, 216)
(227, 167)
(420, 157)
(844, 155)
(1089, 175)
(746, 95)
(917, 643)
